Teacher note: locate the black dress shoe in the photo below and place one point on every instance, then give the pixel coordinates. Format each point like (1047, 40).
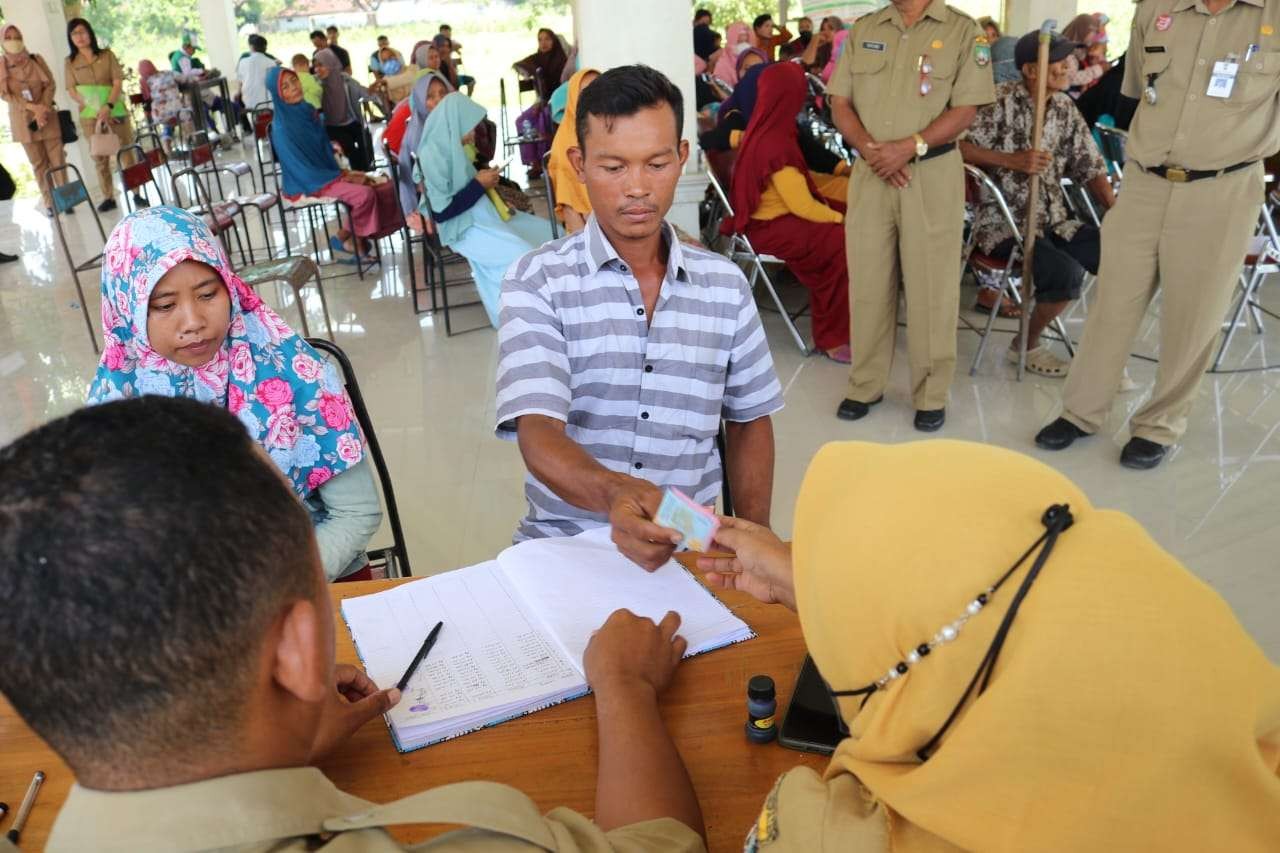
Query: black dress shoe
(6, 258)
(107, 204)
(1059, 435)
(855, 410)
(1141, 454)
(930, 420)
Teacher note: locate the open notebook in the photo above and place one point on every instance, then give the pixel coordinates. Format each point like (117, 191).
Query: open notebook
(515, 629)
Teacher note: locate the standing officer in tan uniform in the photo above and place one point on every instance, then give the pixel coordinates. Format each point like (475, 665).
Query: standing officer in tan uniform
(909, 82)
(178, 654)
(1207, 76)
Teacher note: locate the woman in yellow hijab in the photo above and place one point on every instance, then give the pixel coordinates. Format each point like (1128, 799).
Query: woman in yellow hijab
(572, 205)
(1100, 697)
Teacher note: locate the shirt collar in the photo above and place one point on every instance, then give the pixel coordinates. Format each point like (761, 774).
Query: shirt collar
(600, 251)
(229, 811)
(936, 10)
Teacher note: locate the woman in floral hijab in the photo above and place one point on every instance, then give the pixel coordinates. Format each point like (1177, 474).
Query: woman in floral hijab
(178, 322)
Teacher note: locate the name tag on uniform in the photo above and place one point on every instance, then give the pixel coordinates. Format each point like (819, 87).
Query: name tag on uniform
(1223, 79)
(873, 45)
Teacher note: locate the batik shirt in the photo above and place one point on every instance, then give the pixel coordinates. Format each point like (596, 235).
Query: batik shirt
(1006, 126)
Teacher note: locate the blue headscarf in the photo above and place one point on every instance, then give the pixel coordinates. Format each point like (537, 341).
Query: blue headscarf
(418, 113)
(288, 397)
(301, 145)
(443, 162)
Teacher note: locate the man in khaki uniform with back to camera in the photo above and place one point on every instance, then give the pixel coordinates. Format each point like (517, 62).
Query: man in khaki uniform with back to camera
(909, 82)
(177, 651)
(1206, 74)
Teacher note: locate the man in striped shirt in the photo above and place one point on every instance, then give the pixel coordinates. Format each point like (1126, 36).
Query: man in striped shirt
(621, 350)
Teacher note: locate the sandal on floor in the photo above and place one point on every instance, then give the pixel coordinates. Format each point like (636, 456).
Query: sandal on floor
(1041, 361)
(336, 246)
(840, 355)
(983, 305)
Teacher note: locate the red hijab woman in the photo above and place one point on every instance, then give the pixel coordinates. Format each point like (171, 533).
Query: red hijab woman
(790, 212)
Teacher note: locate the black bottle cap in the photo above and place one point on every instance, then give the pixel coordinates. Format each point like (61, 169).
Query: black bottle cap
(760, 688)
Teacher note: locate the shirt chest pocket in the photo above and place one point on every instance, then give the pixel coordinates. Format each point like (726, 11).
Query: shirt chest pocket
(1258, 79)
(1154, 64)
(868, 60)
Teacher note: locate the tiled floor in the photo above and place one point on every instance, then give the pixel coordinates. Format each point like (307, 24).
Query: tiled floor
(1215, 503)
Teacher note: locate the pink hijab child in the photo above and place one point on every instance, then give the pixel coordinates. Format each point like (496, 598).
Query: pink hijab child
(737, 39)
(178, 322)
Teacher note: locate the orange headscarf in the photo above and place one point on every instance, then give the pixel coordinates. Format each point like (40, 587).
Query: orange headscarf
(1127, 710)
(570, 192)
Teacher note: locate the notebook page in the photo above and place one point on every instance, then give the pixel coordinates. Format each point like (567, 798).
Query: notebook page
(573, 583)
(490, 654)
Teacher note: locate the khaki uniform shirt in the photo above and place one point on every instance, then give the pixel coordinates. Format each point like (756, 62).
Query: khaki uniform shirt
(103, 70)
(298, 809)
(1176, 43)
(881, 72)
(34, 78)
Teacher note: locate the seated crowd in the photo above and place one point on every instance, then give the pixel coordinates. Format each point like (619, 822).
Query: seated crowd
(625, 352)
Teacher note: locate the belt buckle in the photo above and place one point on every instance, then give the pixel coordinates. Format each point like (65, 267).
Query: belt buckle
(1177, 176)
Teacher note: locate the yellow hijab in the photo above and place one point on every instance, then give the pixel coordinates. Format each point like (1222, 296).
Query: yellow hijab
(570, 192)
(1128, 709)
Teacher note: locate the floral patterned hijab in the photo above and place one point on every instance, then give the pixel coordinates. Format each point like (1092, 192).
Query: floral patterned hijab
(287, 396)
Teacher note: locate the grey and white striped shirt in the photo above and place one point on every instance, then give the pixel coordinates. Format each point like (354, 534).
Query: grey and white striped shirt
(642, 398)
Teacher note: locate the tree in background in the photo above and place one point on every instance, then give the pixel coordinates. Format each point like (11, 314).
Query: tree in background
(728, 11)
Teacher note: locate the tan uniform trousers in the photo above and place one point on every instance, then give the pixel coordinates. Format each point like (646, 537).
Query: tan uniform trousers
(1190, 239)
(46, 154)
(913, 235)
(104, 165)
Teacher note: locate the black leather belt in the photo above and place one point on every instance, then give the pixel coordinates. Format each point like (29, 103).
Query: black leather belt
(1186, 176)
(937, 152)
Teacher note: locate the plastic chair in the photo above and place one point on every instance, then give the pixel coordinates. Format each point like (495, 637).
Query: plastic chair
(741, 251)
(977, 182)
(66, 197)
(136, 177)
(396, 557)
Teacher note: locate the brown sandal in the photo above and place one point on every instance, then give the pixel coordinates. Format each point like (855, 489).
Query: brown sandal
(985, 303)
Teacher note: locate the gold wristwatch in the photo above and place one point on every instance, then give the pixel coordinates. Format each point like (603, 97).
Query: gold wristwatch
(922, 147)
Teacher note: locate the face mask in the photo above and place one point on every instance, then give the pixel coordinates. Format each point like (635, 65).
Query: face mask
(14, 46)
(740, 47)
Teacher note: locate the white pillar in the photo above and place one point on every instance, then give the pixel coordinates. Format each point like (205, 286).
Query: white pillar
(657, 33)
(1028, 15)
(217, 38)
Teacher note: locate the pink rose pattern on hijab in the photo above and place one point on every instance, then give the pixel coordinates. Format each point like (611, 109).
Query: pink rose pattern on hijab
(288, 397)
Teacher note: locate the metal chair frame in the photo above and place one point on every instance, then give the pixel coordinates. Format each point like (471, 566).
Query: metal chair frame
(205, 207)
(438, 258)
(741, 251)
(136, 177)
(1113, 144)
(1265, 263)
(1007, 288)
(395, 557)
(551, 196)
(66, 196)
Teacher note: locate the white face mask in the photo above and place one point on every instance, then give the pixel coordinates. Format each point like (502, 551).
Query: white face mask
(740, 47)
(14, 46)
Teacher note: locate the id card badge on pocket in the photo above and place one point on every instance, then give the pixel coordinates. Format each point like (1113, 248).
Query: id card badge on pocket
(1223, 79)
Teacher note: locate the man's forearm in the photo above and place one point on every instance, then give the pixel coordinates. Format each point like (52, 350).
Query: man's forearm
(564, 466)
(1102, 190)
(946, 127)
(848, 122)
(749, 448)
(641, 775)
(984, 158)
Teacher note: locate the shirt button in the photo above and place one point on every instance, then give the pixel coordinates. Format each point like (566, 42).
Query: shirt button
(648, 368)
(623, 267)
(1199, 62)
(1191, 97)
(644, 416)
(639, 465)
(904, 36)
(639, 312)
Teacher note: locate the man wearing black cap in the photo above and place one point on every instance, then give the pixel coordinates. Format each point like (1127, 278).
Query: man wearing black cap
(1000, 142)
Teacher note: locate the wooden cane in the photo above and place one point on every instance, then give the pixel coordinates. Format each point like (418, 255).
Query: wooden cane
(1033, 195)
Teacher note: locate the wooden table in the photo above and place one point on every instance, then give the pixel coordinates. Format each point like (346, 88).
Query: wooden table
(550, 755)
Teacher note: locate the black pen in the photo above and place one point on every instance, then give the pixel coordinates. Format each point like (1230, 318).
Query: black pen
(25, 809)
(417, 659)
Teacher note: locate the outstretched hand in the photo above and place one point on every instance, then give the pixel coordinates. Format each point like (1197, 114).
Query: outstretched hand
(760, 564)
